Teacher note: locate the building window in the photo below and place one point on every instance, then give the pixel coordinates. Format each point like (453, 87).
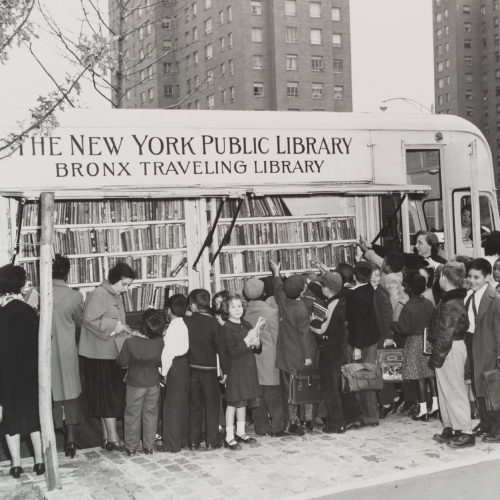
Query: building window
(258, 89)
(257, 35)
(221, 17)
(232, 94)
(335, 14)
(447, 63)
(468, 77)
(338, 65)
(315, 10)
(229, 14)
(167, 45)
(188, 86)
(317, 63)
(209, 51)
(223, 96)
(495, 22)
(208, 4)
(143, 97)
(446, 13)
(440, 100)
(440, 83)
(448, 97)
(468, 112)
(195, 34)
(167, 68)
(197, 104)
(315, 37)
(483, 10)
(210, 77)
(258, 62)
(230, 40)
(467, 27)
(468, 60)
(256, 7)
(338, 92)
(168, 90)
(222, 69)
(211, 101)
(166, 22)
(194, 9)
(447, 47)
(439, 17)
(468, 95)
(317, 91)
(291, 34)
(149, 28)
(291, 62)
(292, 89)
(439, 34)
(337, 40)
(497, 74)
(446, 30)
(439, 50)
(208, 26)
(440, 66)
(466, 10)
(128, 95)
(196, 82)
(195, 58)
(222, 44)
(497, 91)
(231, 67)
(468, 43)
(290, 8)
(448, 79)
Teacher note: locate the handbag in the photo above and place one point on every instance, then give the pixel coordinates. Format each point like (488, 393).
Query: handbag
(304, 387)
(491, 385)
(358, 377)
(391, 363)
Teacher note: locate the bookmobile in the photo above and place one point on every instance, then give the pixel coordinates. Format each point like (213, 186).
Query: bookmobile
(205, 198)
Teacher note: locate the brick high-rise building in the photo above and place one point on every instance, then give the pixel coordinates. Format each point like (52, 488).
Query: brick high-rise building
(467, 65)
(234, 54)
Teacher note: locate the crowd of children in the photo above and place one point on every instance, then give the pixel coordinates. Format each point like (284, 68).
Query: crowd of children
(239, 352)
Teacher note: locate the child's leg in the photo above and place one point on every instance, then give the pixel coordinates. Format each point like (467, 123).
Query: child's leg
(14, 445)
(150, 417)
(241, 414)
(421, 395)
(195, 408)
(211, 392)
(434, 394)
(36, 441)
(132, 419)
(230, 413)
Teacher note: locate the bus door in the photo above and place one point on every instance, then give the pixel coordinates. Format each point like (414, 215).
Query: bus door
(464, 220)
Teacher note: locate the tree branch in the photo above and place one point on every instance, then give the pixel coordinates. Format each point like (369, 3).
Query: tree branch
(19, 28)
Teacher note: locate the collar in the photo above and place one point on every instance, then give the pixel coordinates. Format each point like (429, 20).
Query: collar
(107, 285)
(5, 299)
(456, 293)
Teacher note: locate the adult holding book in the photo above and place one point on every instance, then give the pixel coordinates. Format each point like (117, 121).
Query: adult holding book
(103, 318)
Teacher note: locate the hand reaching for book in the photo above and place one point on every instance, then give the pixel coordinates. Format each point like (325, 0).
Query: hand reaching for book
(275, 268)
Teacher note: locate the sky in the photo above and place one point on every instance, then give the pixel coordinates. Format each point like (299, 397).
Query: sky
(391, 57)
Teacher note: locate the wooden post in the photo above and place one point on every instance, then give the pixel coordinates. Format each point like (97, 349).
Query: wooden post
(44, 343)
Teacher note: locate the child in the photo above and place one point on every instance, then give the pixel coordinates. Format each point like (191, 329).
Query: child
(175, 369)
(414, 318)
(206, 340)
(141, 355)
(496, 275)
(242, 384)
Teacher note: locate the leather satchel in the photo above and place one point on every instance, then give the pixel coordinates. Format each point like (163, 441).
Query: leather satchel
(491, 385)
(358, 377)
(304, 387)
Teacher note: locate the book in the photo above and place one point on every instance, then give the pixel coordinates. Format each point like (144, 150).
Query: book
(319, 311)
(427, 344)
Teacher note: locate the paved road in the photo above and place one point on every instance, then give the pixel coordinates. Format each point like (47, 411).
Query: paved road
(316, 465)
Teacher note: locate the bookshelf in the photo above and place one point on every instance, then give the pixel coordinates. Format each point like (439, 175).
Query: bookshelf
(266, 229)
(149, 235)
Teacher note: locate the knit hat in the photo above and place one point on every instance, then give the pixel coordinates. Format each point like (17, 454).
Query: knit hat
(253, 288)
(294, 285)
(332, 280)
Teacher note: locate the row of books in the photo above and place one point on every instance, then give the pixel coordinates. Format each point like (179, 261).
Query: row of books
(264, 233)
(250, 261)
(265, 206)
(88, 241)
(107, 211)
(149, 295)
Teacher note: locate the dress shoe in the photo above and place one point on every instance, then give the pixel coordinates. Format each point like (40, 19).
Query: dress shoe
(232, 445)
(39, 469)
(130, 453)
(309, 425)
(295, 430)
(245, 439)
(384, 411)
(339, 429)
(355, 424)
(114, 446)
(421, 418)
(435, 414)
(462, 441)
(445, 436)
(479, 430)
(70, 449)
(16, 472)
(278, 434)
(491, 438)
(147, 451)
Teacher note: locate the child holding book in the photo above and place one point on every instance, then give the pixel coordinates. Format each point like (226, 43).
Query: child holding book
(242, 384)
(141, 355)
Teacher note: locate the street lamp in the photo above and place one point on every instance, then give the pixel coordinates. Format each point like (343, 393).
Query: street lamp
(410, 101)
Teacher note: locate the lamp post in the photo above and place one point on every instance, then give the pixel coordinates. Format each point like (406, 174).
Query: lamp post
(409, 100)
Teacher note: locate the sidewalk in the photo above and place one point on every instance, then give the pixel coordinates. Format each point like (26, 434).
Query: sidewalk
(290, 467)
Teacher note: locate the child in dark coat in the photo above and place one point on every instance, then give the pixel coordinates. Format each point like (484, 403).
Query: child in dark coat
(242, 384)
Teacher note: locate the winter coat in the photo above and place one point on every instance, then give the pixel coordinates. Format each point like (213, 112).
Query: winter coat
(449, 321)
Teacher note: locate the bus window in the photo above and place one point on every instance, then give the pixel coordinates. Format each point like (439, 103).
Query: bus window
(423, 166)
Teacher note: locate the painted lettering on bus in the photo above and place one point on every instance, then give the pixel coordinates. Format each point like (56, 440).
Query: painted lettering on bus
(297, 145)
(164, 145)
(92, 169)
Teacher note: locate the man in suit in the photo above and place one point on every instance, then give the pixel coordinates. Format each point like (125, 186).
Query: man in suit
(483, 307)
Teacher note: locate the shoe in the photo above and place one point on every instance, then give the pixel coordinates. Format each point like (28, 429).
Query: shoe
(194, 446)
(16, 472)
(435, 414)
(339, 429)
(278, 434)
(384, 411)
(491, 438)
(70, 449)
(355, 424)
(447, 434)
(147, 451)
(421, 418)
(39, 469)
(245, 439)
(295, 430)
(309, 426)
(130, 453)
(462, 441)
(396, 405)
(114, 446)
(232, 445)
(479, 430)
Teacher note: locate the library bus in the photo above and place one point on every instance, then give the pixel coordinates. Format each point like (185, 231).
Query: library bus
(309, 183)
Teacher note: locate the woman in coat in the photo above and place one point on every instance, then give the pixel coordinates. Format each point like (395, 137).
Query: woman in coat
(18, 369)
(103, 318)
(66, 320)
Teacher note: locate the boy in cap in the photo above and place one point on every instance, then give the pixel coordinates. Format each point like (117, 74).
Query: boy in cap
(296, 348)
(271, 402)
